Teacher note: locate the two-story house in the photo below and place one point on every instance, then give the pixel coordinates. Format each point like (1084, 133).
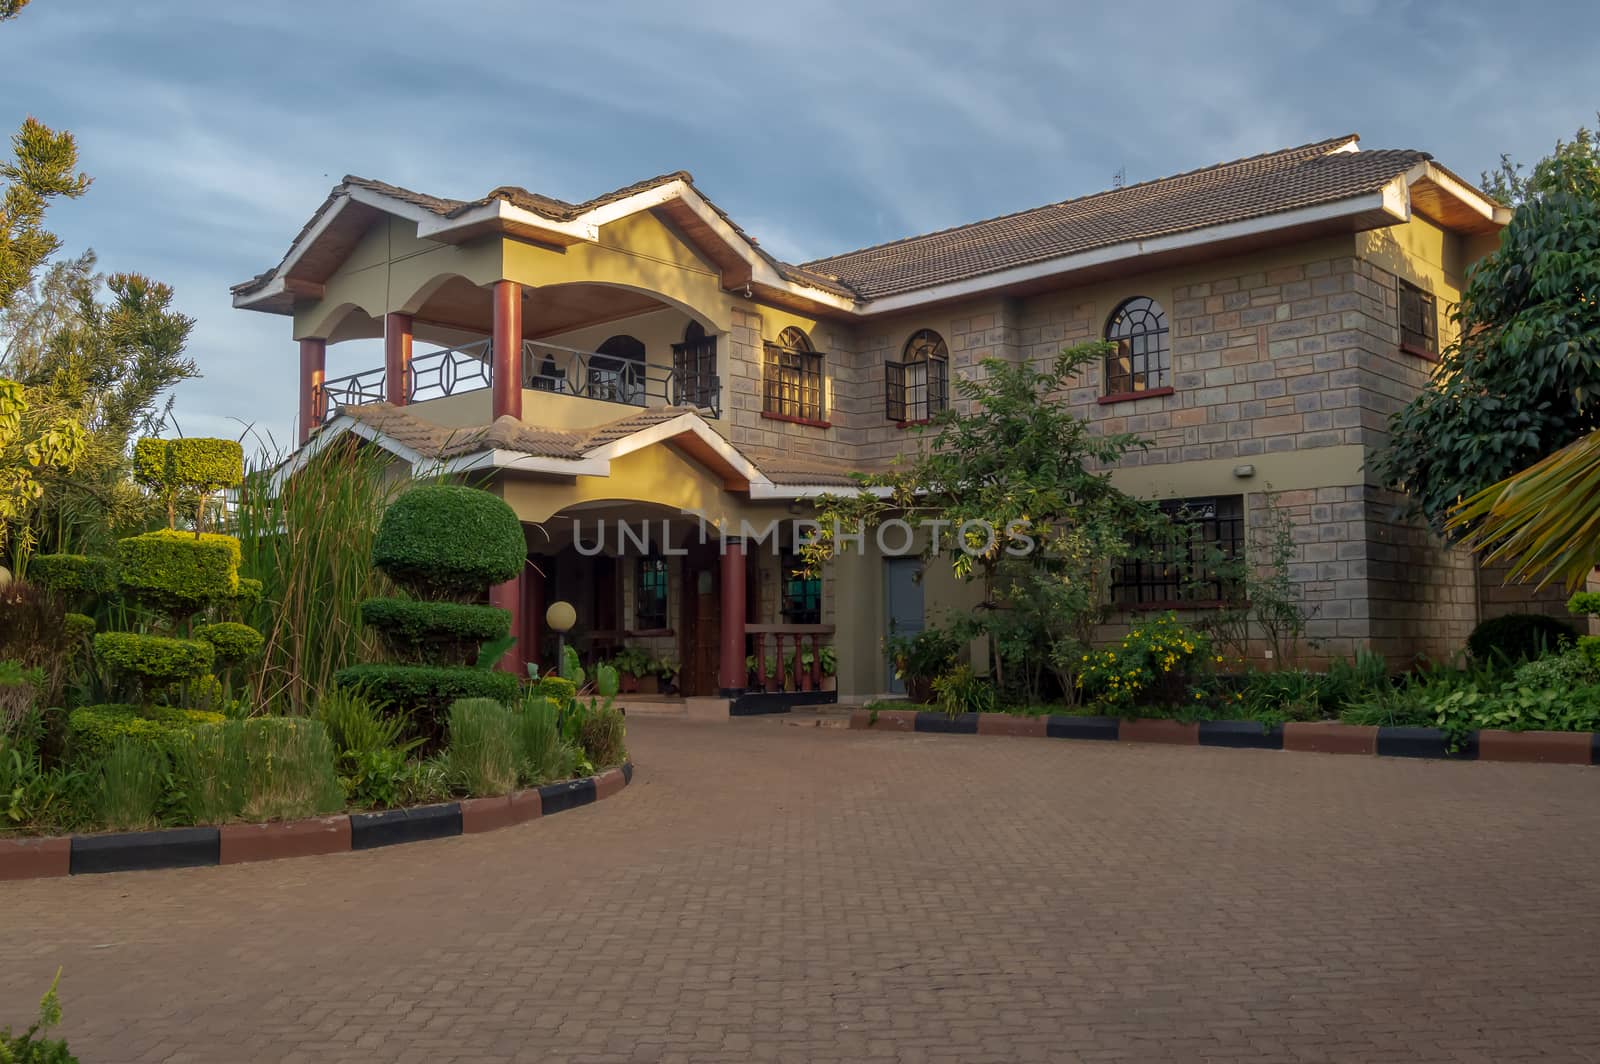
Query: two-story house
(623, 362)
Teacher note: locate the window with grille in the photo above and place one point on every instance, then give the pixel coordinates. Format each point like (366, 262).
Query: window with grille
(694, 368)
(794, 378)
(915, 388)
(1174, 573)
(1142, 360)
(1419, 320)
(802, 594)
(650, 597)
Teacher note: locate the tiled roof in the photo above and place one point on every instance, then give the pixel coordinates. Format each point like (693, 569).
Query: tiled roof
(1228, 192)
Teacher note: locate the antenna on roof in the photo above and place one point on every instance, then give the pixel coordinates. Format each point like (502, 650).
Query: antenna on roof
(1118, 177)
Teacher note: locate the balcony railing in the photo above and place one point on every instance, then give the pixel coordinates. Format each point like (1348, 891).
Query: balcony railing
(545, 368)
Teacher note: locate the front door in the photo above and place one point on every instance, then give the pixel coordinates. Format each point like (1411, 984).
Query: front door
(902, 606)
(699, 630)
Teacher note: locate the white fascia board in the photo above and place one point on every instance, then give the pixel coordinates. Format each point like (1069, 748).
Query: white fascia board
(666, 430)
(516, 461)
(434, 227)
(768, 490)
(332, 430)
(1381, 200)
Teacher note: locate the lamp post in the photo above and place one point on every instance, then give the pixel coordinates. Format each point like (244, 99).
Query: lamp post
(561, 617)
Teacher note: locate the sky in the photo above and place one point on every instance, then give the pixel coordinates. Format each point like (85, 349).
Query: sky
(213, 129)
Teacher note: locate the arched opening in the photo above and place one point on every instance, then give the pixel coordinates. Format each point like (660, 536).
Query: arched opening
(915, 388)
(617, 370)
(1142, 360)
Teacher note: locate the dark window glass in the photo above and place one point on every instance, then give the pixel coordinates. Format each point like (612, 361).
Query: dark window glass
(1179, 572)
(616, 371)
(802, 594)
(650, 605)
(1419, 320)
(794, 378)
(694, 368)
(1142, 359)
(915, 388)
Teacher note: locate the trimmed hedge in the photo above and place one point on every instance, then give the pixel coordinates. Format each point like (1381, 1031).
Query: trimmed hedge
(179, 572)
(435, 633)
(155, 659)
(1518, 637)
(78, 626)
(231, 641)
(446, 542)
(150, 461)
(423, 693)
(92, 730)
(203, 464)
(248, 597)
(73, 574)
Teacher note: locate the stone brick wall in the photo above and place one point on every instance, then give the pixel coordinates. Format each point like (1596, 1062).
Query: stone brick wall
(746, 365)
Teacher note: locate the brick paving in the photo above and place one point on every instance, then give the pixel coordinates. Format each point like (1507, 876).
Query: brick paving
(807, 894)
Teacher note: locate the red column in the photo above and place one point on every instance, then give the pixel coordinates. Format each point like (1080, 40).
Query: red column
(532, 611)
(397, 357)
(508, 596)
(313, 370)
(506, 371)
(731, 674)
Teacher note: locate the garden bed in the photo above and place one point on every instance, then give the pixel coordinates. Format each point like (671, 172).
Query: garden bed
(1327, 737)
(189, 847)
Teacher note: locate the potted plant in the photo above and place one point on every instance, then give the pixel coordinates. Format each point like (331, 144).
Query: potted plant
(757, 681)
(921, 657)
(829, 662)
(667, 670)
(636, 669)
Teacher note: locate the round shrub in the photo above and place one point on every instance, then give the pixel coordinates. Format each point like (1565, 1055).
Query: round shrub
(435, 633)
(156, 660)
(423, 693)
(92, 730)
(74, 575)
(445, 542)
(179, 572)
(232, 641)
(1518, 637)
(78, 627)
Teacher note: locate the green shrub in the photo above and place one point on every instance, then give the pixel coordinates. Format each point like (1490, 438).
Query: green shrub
(607, 682)
(93, 730)
(78, 627)
(31, 1046)
(1584, 602)
(559, 690)
(178, 572)
(423, 693)
(150, 461)
(208, 778)
(244, 601)
(436, 633)
(602, 734)
(73, 575)
(232, 642)
(132, 776)
(356, 727)
(289, 767)
(1150, 667)
(155, 660)
(447, 542)
(1518, 637)
(205, 465)
(960, 690)
(920, 657)
(542, 755)
(482, 755)
(571, 668)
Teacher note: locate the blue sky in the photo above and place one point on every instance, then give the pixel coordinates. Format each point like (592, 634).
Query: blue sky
(212, 130)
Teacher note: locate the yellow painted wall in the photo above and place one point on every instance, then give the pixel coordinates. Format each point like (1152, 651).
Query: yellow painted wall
(1427, 256)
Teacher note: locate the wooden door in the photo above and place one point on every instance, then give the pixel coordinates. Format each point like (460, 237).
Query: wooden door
(699, 629)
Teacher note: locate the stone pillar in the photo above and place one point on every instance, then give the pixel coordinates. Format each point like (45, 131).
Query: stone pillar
(397, 358)
(532, 611)
(731, 673)
(506, 369)
(313, 371)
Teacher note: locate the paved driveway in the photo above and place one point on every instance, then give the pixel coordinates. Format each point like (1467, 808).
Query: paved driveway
(764, 892)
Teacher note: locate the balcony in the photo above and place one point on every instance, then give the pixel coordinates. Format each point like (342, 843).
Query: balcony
(546, 368)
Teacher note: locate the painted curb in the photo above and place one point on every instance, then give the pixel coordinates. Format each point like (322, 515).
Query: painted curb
(1424, 743)
(1006, 724)
(1241, 734)
(1551, 748)
(1157, 730)
(1330, 737)
(192, 847)
(961, 724)
(135, 850)
(1102, 729)
(884, 719)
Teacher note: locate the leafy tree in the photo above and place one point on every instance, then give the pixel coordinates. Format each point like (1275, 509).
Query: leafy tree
(41, 169)
(1574, 168)
(29, 450)
(10, 8)
(1015, 493)
(1522, 378)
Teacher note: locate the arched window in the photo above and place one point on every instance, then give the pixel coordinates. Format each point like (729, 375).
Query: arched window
(616, 371)
(1143, 358)
(794, 378)
(915, 388)
(694, 369)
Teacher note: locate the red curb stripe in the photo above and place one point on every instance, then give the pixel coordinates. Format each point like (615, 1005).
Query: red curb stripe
(294, 838)
(1555, 748)
(1330, 737)
(35, 858)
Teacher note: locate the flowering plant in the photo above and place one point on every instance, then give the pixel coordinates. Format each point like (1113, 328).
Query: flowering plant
(1151, 664)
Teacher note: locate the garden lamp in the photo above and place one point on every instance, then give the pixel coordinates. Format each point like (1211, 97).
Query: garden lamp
(561, 617)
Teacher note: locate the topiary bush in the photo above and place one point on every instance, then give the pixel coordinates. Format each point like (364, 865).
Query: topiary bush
(435, 633)
(91, 730)
(77, 578)
(203, 465)
(1518, 637)
(424, 693)
(232, 642)
(178, 572)
(559, 690)
(151, 660)
(449, 543)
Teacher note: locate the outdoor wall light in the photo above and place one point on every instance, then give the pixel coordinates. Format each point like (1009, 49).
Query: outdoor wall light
(1244, 472)
(561, 617)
